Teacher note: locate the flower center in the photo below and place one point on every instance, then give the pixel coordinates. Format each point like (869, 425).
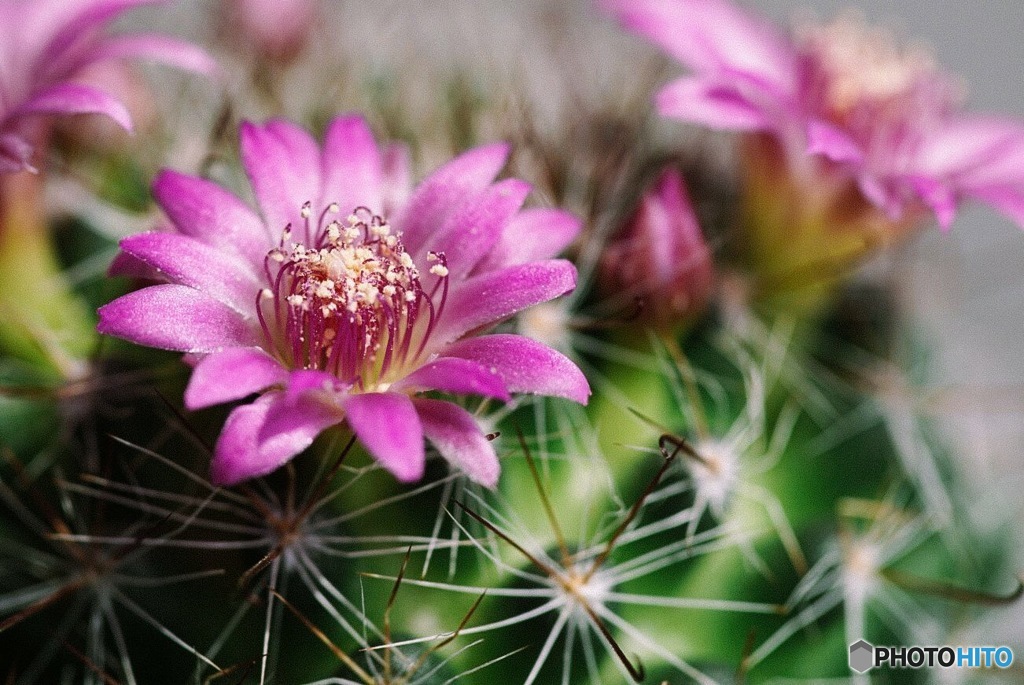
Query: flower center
(350, 301)
(858, 65)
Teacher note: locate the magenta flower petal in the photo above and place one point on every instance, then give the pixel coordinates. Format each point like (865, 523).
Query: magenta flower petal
(532, 235)
(175, 317)
(525, 365)
(967, 145)
(353, 168)
(75, 98)
(157, 48)
(939, 198)
(205, 211)
(283, 164)
(458, 438)
(15, 154)
(69, 21)
(973, 157)
(445, 189)
(236, 456)
(129, 266)
(491, 297)
(304, 381)
(457, 376)
(387, 424)
(187, 261)
(473, 229)
(881, 194)
(258, 438)
(711, 103)
(1009, 201)
(711, 35)
(832, 142)
(292, 424)
(231, 375)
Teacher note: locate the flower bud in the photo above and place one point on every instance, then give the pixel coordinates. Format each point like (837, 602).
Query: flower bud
(660, 257)
(275, 30)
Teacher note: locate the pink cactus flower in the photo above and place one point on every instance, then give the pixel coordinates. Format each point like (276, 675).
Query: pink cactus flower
(842, 94)
(46, 49)
(661, 257)
(349, 297)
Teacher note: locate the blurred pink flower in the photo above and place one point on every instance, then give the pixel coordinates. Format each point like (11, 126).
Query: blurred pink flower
(335, 313)
(661, 257)
(47, 47)
(887, 118)
(274, 29)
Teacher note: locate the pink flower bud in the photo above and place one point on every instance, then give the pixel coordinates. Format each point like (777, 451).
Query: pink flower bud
(661, 258)
(276, 30)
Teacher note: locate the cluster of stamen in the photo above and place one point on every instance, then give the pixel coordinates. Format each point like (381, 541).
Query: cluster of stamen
(861, 66)
(348, 300)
